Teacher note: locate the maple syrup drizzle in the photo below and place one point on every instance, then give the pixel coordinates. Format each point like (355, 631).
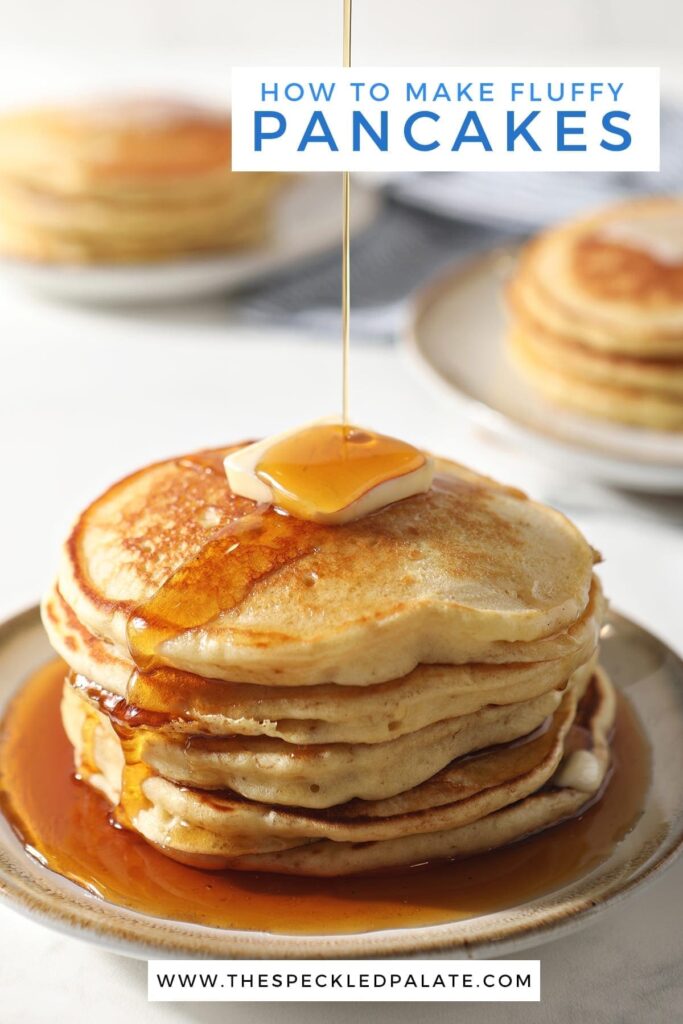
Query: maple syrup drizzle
(142, 706)
(217, 579)
(324, 466)
(329, 466)
(51, 812)
(135, 772)
(88, 766)
(346, 243)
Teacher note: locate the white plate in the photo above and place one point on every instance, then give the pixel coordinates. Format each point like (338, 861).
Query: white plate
(643, 667)
(456, 338)
(307, 220)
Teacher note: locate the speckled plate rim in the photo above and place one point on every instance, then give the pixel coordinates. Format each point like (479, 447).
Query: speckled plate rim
(664, 473)
(51, 900)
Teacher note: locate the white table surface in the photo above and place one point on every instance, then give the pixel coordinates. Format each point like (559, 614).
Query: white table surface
(86, 396)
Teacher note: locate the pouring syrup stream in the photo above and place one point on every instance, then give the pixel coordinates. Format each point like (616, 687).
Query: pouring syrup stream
(346, 254)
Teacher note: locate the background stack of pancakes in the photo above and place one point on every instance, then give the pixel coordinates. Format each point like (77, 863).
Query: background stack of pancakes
(418, 684)
(597, 314)
(125, 181)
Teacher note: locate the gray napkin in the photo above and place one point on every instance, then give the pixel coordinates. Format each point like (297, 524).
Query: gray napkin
(401, 250)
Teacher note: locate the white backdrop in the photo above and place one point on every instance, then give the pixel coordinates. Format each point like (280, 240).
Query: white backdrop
(47, 46)
(436, 31)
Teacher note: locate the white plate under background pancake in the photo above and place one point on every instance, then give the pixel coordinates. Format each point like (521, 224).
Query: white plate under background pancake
(455, 336)
(307, 221)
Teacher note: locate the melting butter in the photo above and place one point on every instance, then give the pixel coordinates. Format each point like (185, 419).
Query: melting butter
(329, 472)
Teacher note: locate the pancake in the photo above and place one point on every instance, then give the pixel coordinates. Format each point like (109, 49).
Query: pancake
(257, 691)
(125, 181)
(548, 308)
(600, 368)
(460, 793)
(274, 772)
(213, 829)
(589, 280)
(184, 703)
(113, 142)
(45, 230)
(543, 808)
(461, 573)
(655, 409)
(596, 320)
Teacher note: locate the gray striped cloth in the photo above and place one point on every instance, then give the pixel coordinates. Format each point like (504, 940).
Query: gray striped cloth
(430, 220)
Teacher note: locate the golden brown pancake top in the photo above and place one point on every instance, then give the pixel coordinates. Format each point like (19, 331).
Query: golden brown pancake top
(614, 271)
(115, 140)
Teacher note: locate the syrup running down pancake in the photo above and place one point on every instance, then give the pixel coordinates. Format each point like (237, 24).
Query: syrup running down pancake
(468, 571)
(263, 692)
(65, 822)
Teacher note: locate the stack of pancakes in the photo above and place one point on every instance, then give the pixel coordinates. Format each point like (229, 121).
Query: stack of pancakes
(416, 685)
(597, 314)
(125, 181)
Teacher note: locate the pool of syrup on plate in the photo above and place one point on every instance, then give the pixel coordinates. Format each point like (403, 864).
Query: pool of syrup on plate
(68, 826)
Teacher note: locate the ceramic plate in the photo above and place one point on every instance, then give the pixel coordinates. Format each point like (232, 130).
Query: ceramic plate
(456, 338)
(643, 667)
(307, 220)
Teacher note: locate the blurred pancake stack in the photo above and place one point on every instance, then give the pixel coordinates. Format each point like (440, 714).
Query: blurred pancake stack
(254, 691)
(125, 181)
(597, 314)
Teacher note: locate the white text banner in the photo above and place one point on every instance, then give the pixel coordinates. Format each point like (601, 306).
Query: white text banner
(445, 118)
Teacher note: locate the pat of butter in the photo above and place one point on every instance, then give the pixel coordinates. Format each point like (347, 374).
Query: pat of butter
(581, 770)
(329, 473)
